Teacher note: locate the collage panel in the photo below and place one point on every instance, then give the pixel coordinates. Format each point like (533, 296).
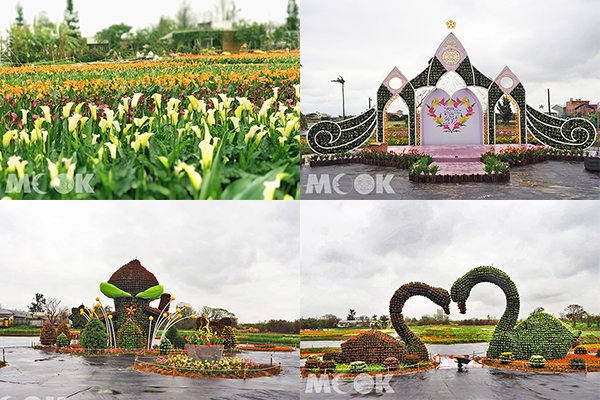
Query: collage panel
(449, 101)
(149, 300)
(149, 100)
(427, 300)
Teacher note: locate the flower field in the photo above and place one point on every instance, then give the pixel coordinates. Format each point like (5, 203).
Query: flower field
(201, 127)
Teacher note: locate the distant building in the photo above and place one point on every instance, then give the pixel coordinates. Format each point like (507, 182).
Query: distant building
(579, 108)
(317, 115)
(219, 35)
(559, 110)
(14, 317)
(349, 323)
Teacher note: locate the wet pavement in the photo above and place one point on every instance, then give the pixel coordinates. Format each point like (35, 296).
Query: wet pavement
(471, 383)
(552, 180)
(46, 375)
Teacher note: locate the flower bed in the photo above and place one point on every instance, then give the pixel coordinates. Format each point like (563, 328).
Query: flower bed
(592, 364)
(369, 157)
(77, 350)
(343, 370)
(228, 368)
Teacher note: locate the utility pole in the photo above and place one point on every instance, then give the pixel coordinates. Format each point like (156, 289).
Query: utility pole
(549, 112)
(369, 103)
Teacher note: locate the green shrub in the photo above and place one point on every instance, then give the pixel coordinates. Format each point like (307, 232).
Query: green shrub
(229, 339)
(506, 357)
(313, 357)
(176, 339)
(358, 366)
(165, 346)
(94, 335)
(62, 341)
(372, 347)
(48, 334)
(537, 361)
(577, 363)
(598, 353)
(580, 350)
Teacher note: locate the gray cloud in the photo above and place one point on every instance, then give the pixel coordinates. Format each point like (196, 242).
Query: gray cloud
(549, 249)
(239, 256)
(545, 44)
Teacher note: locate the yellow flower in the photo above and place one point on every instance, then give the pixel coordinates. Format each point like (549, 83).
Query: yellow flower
(67, 109)
(207, 154)
(157, 99)
(46, 111)
(173, 104)
(140, 121)
(211, 117)
(193, 103)
(7, 137)
(15, 164)
(78, 108)
(269, 192)
(247, 104)
(24, 136)
(25, 112)
(297, 89)
(110, 115)
(226, 101)
(164, 160)
(282, 140)
(73, 120)
(38, 124)
(113, 149)
(136, 99)
(93, 109)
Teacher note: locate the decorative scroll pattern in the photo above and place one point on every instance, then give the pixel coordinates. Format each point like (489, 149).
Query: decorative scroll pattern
(574, 133)
(328, 137)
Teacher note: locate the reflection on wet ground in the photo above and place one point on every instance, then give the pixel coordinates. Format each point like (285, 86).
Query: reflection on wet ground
(559, 180)
(46, 374)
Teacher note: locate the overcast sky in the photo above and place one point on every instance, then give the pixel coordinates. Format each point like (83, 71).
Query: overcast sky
(546, 43)
(95, 16)
(242, 256)
(355, 255)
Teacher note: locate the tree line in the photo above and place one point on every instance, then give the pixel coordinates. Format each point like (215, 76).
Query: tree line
(46, 41)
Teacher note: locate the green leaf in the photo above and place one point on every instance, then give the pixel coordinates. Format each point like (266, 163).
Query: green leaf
(112, 291)
(152, 293)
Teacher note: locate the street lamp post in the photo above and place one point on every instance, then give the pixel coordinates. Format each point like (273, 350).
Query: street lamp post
(341, 80)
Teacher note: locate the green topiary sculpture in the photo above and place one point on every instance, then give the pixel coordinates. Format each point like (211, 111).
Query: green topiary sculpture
(580, 350)
(537, 361)
(94, 336)
(62, 341)
(165, 347)
(372, 347)
(540, 334)
(64, 328)
(48, 334)
(176, 339)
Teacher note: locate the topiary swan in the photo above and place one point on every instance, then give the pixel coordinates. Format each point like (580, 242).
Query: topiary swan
(439, 296)
(540, 334)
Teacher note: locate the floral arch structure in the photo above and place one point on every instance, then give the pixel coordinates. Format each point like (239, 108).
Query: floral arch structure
(330, 137)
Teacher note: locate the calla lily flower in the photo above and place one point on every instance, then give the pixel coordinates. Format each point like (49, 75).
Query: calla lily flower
(282, 140)
(127, 128)
(226, 101)
(121, 110)
(71, 170)
(103, 125)
(269, 192)
(7, 137)
(94, 138)
(173, 104)
(173, 117)
(157, 100)
(297, 89)
(53, 169)
(38, 124)
(78, 108)
(211, 117)
(93, 109)
(24, 113)
(67, 109)
(113, 149)
(15, 164)
(193, 103)
(140, 121)
(126, 104)
(73, 120)
(207, 154)
(47, 115)
(110, 115)
(136, 99)
(197, 131)
(24, 136)
(247, 104)
(236, 123)
(275, 93)
(194, 176)
(164, 160)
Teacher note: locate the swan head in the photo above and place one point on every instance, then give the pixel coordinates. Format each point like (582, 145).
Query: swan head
(460, 293)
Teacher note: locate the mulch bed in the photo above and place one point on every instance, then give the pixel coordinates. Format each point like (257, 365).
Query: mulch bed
(348, 375)
(265, 370)
(520, 367)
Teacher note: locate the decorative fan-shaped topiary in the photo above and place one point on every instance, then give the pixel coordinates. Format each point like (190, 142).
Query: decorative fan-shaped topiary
(62, 341)
(537, 361)
(94, 335)
(372, 347)
(48, 334)
(229, 339)
(64, 328)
